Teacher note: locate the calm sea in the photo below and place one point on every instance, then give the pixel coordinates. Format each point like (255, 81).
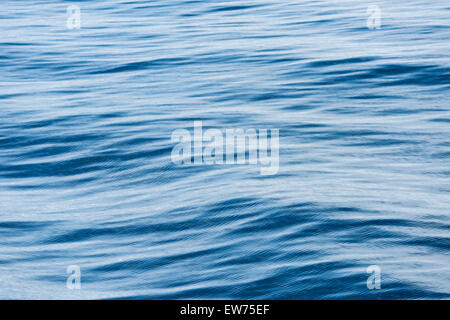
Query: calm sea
(86, 178)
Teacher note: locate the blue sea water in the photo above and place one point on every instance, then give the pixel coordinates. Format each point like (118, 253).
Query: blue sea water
(86, 176)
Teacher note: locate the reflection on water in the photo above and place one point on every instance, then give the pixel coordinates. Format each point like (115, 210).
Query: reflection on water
(86, 177)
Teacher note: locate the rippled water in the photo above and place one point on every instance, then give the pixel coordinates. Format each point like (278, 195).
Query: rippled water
(86, 176)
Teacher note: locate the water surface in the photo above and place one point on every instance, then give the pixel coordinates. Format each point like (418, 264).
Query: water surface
(86, 176)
